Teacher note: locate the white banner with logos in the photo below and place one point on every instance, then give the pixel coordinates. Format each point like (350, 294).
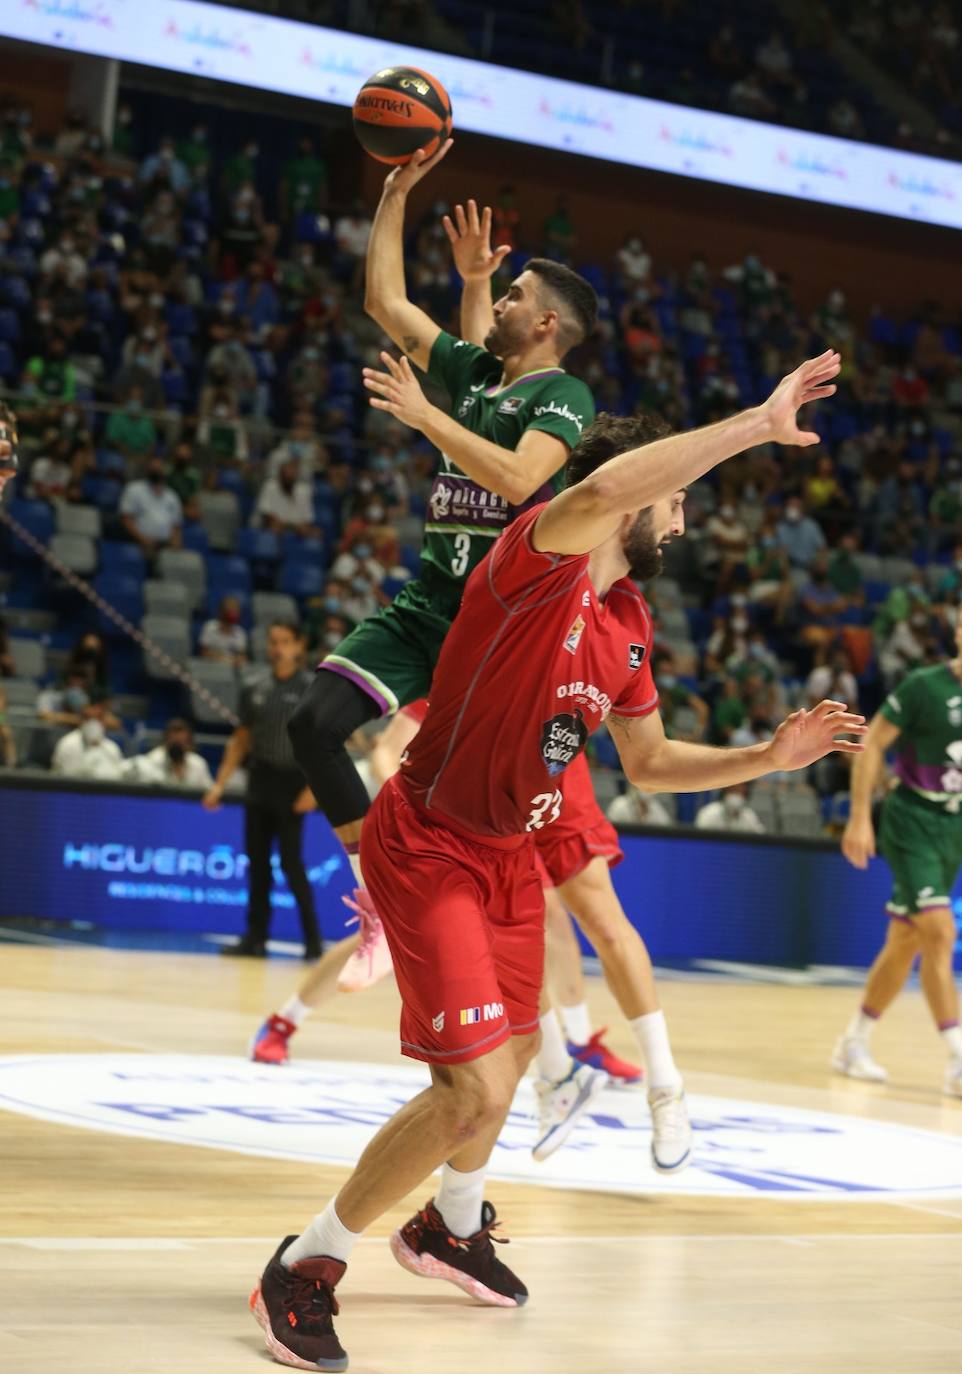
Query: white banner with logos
(328, 65)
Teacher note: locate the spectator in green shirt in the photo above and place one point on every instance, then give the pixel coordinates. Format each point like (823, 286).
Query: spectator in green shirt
(185, 479)
(945, 515)
(53, 375)
(242, 167)
(304, 180)
(559, 232)
(729, 713)
(195, 151)
(844, 573)
(130, 431)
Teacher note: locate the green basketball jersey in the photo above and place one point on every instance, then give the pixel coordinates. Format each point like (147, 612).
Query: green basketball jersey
(463, 518)
(927, 708)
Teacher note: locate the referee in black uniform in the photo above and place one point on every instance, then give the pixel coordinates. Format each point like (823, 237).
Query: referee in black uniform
(277, 797)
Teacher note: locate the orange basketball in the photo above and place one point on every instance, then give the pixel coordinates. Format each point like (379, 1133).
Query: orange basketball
(400, 110)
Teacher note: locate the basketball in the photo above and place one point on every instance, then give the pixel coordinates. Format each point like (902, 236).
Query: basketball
(399, 110)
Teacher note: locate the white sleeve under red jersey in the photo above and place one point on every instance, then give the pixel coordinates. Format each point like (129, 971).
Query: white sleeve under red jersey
(531, 667)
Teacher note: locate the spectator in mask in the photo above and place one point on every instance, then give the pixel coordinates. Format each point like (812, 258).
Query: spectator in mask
(223, 638)
(130, 431)
(151, 513)
(327, 631)
(164, 168)
(52, 375)
(184, 479)
(730, 812)
(173, 763)
(285, 503)
(798, 534)
(301, 446)
(86, 752)
(634, 263)
(64, 704)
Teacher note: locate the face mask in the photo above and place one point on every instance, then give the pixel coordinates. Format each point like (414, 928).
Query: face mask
(69, 421)
(176, 751)
(362, 551)
(360, 586)
(332, 604)
(134, 407)
(739, 599)
(739, 624)
(793, 516)
(143, 360)
(241, 216)
(733, 803)
(332, 639)
(758, 651)
(92, 731)
(221, 412)
(375, 515)
(727, 512)
(381, 462)
(667, 682)
(75, 698)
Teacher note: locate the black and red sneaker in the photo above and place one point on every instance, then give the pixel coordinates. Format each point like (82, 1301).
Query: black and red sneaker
(426, 1247)
(296, 1308)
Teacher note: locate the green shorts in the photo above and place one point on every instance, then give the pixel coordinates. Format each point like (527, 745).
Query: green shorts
(392, 655)
(923, 846)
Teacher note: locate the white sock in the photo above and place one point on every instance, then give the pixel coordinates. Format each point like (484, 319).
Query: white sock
(326, 1235)
(861, 1026)
(294, 1010)
(553, 1060)
(651, 1032)
(354, 859)
(577, 1023)
(952, 1035)
(459, 1200)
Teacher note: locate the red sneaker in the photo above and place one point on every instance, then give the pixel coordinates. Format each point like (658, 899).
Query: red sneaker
(270, 1044)
(296, 1308)
(597, 1054)
(427, 1248)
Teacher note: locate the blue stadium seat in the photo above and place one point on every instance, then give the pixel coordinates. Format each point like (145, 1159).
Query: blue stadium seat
(195, 537)
(37, 518)
(262, 546)
(118, 557)
(9, 325)
(125, 594)
(299, 578)
(9, 369)
(228, 571)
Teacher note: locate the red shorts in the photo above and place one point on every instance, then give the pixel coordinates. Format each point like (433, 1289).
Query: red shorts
(415, 710)
(581, 833)
(465, 925)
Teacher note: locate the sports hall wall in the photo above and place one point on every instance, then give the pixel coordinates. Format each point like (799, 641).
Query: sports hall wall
(138, 861)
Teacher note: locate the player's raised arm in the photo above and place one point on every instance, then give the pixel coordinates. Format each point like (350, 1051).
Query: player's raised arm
(385, 293)
(469, 234)
(585, 515)
(858, 837)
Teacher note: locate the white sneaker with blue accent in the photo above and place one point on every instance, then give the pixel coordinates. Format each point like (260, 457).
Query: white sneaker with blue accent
(853, 1058)
(670, 1130)
(562, 1104)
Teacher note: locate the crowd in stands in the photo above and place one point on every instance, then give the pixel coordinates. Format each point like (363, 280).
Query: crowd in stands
(196, 442)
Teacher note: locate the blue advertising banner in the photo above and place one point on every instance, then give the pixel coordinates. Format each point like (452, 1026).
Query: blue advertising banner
(143, 861)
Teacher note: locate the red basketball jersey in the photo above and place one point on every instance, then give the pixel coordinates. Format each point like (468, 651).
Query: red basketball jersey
(532, 665)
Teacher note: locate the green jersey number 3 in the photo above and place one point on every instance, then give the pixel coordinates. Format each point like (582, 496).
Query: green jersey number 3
(462, 555)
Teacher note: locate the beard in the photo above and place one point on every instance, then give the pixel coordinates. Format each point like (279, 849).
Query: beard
(501, 339)
(641, 549)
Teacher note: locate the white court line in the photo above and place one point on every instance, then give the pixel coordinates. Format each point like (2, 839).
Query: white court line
(170, 1243)
(933, 1211)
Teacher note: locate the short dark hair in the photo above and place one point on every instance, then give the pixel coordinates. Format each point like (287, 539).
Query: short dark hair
(177, 723)
(608, 436)
(286, 624)
(573, 297)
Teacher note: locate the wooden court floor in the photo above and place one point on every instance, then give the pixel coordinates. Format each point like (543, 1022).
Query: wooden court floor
(121, 1254)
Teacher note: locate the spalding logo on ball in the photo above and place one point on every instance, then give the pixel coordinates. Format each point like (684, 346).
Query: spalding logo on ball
(400, 110)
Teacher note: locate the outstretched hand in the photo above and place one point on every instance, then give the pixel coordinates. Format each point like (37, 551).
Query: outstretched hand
(469, 235)
(804, 737)
(398, 391)
(810, 382)
(403, 179)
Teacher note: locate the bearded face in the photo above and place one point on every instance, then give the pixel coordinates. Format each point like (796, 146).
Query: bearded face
(508, 334)
(641, 548)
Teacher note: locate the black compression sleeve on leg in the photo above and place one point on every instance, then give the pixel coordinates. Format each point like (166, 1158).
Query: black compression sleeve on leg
(325, 719)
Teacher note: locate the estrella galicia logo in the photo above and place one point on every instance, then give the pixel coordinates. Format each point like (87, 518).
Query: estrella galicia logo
(563, 737)
(636, 656)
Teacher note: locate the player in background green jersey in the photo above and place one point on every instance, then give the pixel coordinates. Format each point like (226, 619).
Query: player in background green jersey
(921, 837)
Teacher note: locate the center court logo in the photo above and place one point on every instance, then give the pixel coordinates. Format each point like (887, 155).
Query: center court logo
(326, 1112)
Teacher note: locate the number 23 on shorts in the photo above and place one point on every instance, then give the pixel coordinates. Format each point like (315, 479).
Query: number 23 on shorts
(545, 808)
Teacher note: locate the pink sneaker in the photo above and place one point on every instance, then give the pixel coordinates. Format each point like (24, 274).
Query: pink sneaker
(371, 961)
(270, 1044)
